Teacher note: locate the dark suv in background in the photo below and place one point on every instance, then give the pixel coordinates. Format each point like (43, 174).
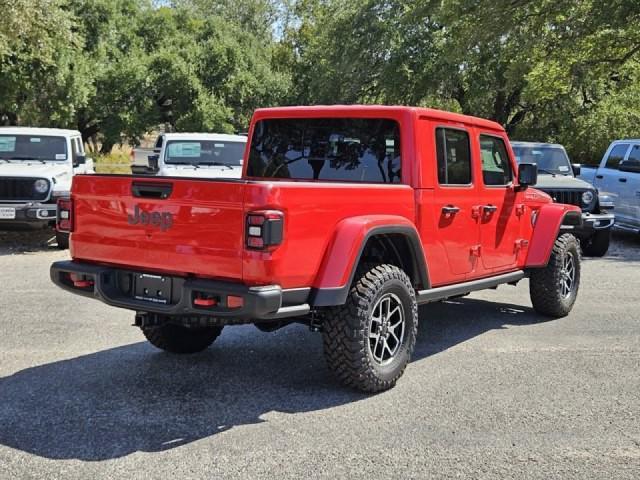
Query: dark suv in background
(557, 177)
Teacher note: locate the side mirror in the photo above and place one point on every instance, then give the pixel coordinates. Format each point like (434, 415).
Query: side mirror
(576, 169)
(629, 166)
(527, 175)
(153, 162)
(80, 160)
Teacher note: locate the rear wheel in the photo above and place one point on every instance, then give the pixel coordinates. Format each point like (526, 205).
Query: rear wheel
(179, 339)
(369, 340)
(554, 289)
(598, 244)
(62, 239)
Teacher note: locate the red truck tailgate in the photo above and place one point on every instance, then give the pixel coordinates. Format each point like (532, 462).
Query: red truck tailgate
(183, 226)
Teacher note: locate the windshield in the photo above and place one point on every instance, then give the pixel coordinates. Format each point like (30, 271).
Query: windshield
(326, 149)
(550, 160)
(32, 147)
(204, 152)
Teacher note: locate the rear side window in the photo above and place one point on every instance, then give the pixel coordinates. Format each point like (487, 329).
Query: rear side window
(330, 149)
(454, 157)
(496, 168)
(616, 156)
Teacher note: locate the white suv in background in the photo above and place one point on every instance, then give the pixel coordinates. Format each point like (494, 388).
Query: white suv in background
(199, 155)
(36, 168)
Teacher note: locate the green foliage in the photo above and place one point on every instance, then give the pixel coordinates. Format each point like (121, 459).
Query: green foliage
(556, 70)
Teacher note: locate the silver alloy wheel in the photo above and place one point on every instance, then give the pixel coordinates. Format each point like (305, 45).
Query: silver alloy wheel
(567, 275)
(386, 329)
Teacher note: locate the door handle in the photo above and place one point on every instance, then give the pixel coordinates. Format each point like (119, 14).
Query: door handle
(623, 180)
(599, 177)
(489, 208)
(450, 209)
(151, 190)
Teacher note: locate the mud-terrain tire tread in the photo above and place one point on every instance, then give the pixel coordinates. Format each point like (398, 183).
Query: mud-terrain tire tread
(544, 283)
(182, 340)
(598, 244)
(345, 328)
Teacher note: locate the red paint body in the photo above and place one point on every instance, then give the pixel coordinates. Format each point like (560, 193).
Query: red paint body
(325, 223)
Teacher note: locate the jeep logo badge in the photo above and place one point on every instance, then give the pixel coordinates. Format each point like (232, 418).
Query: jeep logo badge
(163, 220)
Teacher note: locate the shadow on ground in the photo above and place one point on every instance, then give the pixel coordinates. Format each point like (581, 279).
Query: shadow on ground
(133, 398)
(20, 241)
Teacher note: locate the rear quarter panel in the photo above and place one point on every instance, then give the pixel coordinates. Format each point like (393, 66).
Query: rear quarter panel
(313, 212)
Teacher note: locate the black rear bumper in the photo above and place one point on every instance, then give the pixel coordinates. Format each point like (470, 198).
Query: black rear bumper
(116, 287)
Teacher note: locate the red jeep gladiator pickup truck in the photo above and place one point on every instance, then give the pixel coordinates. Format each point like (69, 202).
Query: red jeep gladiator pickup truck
(346, 218)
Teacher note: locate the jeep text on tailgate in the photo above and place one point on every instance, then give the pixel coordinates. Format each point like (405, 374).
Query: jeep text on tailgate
(345, 219)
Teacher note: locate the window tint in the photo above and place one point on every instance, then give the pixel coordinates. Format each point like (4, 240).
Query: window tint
(454, 157)
(29, 147)
(74, 150)
(634, 157)
(496, 169)
(616, 155)
(338, 149)
(204, 152)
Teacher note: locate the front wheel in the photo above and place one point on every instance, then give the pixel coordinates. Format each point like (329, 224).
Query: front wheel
(369, 340)
(598, 244)
(179, 339)
(554, 289)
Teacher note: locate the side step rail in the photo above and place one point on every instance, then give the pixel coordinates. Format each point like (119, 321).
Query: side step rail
(441, 293)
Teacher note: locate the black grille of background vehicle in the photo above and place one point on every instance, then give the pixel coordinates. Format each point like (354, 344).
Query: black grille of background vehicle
(20, 189)
(570, 197)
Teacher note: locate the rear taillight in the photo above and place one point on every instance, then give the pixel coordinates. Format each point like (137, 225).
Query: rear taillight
(264, 229)
(64, 222)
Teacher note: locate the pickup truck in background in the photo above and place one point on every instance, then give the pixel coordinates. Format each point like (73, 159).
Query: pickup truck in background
(206, 155)
(36, 169)
(346, 218)
(618, 175)
(556, 176)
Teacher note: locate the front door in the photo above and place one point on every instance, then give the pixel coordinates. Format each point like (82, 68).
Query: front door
(611, 181)
(499, 210)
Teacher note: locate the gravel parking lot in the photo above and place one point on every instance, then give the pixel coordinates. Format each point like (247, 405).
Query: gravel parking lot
(494, 390)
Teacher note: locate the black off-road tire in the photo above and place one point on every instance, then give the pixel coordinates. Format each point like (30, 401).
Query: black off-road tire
(62, 239)
(178, 339)
(346, 329)
(546, 284)
(598, 244)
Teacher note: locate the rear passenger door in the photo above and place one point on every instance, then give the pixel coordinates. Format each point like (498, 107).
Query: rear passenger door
(609, 179)
(454, 201)
(498, 204)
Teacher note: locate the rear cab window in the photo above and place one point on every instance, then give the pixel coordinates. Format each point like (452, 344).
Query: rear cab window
(361, 150)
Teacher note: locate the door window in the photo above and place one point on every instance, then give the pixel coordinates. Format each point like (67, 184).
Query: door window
(454, 157)
(616, 156)
(74, 150)
(634, 157)
(496, 168)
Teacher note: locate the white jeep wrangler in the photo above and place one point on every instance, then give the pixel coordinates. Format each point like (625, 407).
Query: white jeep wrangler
(36, 168)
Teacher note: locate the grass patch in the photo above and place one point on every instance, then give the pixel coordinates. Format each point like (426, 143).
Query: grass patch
(118, 161)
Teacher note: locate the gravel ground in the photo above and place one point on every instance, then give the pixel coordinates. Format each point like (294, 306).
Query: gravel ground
(494, 390)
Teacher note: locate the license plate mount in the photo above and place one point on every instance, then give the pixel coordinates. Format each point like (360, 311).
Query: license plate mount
(152, 288)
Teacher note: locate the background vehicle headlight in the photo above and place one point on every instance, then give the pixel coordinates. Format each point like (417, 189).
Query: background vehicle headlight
(587, 197)
(41, 186)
